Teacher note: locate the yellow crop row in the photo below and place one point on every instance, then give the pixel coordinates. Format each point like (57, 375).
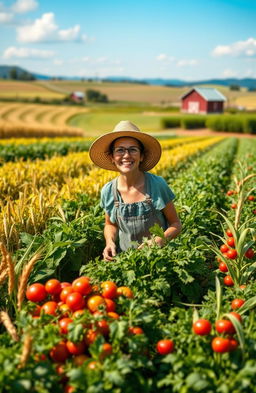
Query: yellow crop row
(30, 141)
(14, 176)
(45, 184)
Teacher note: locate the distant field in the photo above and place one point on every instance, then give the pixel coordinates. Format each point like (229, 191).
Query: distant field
(248, 101)
(147, 94)
(19, 89)
(117, 92)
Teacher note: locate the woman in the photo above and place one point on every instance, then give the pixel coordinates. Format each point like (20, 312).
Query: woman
(135, 200)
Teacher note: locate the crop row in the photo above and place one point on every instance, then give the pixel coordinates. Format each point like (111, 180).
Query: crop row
(13, 150)
(38, 186)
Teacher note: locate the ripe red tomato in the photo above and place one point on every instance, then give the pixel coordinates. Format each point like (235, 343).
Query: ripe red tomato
(228, 281)
(136, 330)
(76, 348)
(202, 327)
(249, 253)
(232, 254)
(125, 291)
(91, 336)
(233, 344)
(75, 301)
(106, 350)
(59, 353)
(237, 303)
(236, 315)
(109, 289)
(110, 305)
(102, 327)
(63, 324)
(230, 192)
(165, 346)
(53, 287)
(224, 326)
(220, 344)
(234, 206)
(231, 242)
(229, 233)
(223, 267)
(251, 198)
(113, 315)
(224, 248)
(94, 302)
(82, 285)
(36, 292)
(65, 292)
(65, 284)
(49, 308)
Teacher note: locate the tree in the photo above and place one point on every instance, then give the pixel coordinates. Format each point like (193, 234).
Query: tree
(13, 73)
(95, 96)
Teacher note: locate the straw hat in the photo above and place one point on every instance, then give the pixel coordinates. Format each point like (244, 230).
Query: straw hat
(99, 150)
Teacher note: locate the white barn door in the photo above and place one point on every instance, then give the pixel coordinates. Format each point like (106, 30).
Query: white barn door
(193, 107)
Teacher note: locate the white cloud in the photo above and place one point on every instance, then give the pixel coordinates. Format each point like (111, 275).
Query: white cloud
(228, 73)
(45, 29)
(164, 58)
(240, 48)
(58, 62)
(185, 63)
(69, 34)
(6, 17)
(23, 6)
(13, 52)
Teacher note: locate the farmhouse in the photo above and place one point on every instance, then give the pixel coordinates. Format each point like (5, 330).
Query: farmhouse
(77, 96)
(203, 100)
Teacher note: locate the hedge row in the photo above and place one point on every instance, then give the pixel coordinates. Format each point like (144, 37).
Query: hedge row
(187, 122)
(229, 123)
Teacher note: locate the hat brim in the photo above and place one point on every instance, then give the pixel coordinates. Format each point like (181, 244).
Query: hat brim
(100, 155)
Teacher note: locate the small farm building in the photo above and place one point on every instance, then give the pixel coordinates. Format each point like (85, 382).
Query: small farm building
(203, 100)
(77, 96)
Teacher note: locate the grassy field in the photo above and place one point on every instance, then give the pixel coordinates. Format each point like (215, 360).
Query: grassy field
(97, 123)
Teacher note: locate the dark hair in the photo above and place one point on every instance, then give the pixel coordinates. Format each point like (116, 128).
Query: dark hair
(111, 146)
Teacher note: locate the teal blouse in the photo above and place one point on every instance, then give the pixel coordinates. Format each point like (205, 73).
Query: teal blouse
(158, 190)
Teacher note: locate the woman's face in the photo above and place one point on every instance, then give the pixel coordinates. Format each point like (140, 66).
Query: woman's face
(126, 154)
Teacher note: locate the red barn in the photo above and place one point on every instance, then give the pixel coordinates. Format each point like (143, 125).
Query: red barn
(203, 100)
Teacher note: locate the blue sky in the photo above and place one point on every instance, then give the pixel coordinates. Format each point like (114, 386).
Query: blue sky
(188, 40)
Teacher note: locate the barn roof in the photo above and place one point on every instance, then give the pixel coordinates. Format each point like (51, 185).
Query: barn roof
(79, 94)
(208, 93)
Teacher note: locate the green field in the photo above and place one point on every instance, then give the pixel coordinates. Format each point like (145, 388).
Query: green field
(97, 123)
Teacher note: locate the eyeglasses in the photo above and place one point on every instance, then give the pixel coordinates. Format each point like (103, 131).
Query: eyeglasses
(120, 151)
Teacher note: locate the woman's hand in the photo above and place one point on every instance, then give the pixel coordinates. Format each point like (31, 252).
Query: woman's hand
(156, 240)
(109, 252)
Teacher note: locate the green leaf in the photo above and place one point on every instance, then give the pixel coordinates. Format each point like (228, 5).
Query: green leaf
(157, 230)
